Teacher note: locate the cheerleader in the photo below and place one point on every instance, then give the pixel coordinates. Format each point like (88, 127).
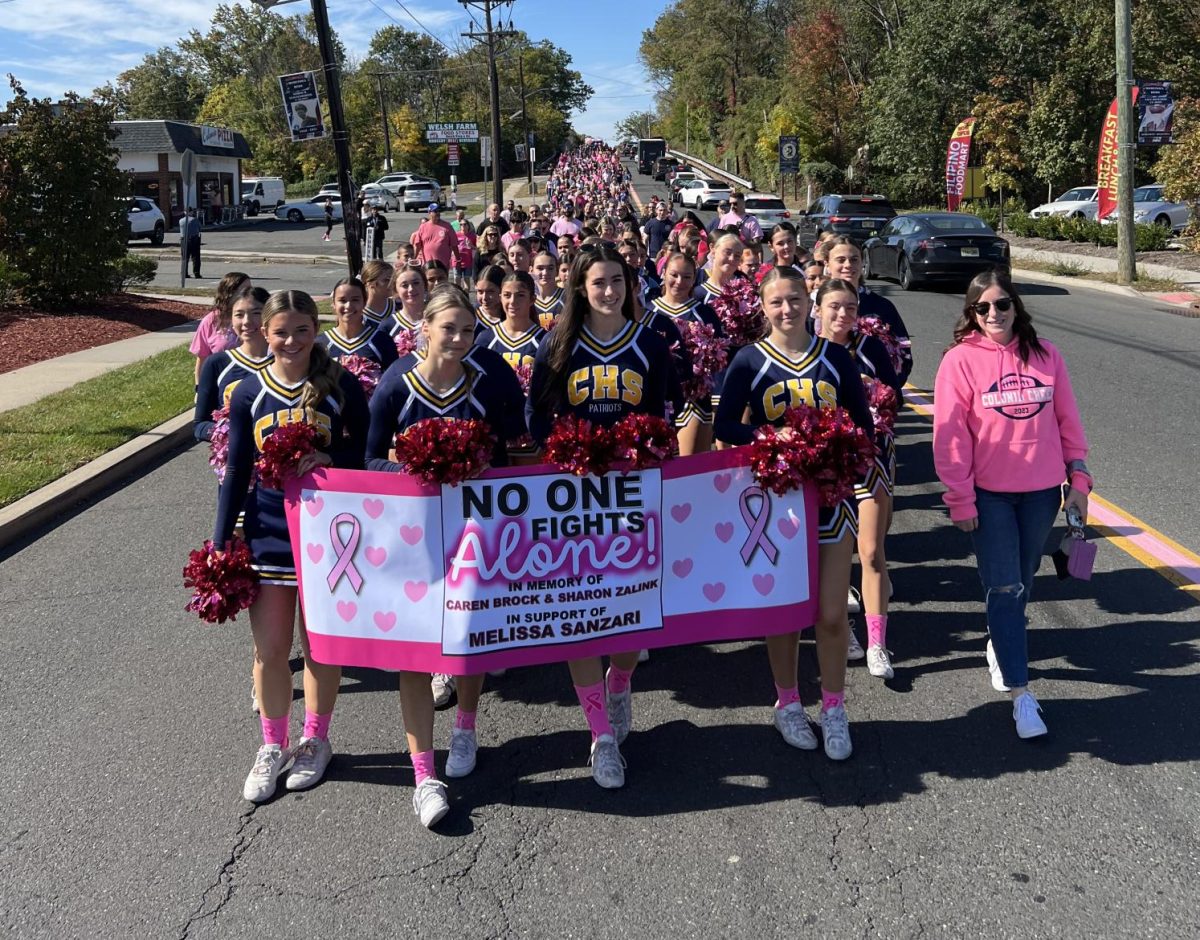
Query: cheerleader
(838, 304)
(844, 261)
(441, 384)
(412, 291)
(488, 311)
(436, 274)
(782, 240)
(725, 255)
(694, 421)
(351, 335)
(518, 255)
(301, 383)
(377, 277)
(596, 335)
(548, 302)
(791, 368)
(223, 370)
(214, 333)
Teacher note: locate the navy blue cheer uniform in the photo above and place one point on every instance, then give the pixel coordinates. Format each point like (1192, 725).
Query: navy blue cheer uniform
(681, 359)
(375, 317)
(219, 376)
(259, 405)
(397, 321)
(872, 359)
(692, 311)
(767, 382)
(516, 352)
(875, 305)
(369, 344)
(604, 381)
(546, 311)
(483, 321)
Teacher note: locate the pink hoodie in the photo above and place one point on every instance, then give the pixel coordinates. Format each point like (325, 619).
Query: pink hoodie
(1002, 424)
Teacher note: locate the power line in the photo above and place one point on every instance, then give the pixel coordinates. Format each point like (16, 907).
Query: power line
(422, 25)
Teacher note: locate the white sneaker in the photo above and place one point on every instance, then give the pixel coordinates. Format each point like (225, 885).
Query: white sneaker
(430, 803)
(253, 699)
(1025, 714)
(442, 686)
(268, 765)
(853, 602)
(854, 650)
(994, 670)
(879, 664)
(835, 728)
(608, 766)
(312, 756)
(792, 722)
(643, 656)
(619, 706)
(461, 759)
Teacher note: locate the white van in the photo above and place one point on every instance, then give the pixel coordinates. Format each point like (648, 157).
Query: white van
(259, 192)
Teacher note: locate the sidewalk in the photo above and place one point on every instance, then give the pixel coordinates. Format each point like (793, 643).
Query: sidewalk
(1189, 280)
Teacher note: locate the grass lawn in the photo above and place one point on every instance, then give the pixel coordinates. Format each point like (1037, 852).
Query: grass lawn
(1153, 285)
(46, 440)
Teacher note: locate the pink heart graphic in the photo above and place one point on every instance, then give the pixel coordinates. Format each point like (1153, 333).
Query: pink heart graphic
(681, 512)
(724, 531)
(411, 533)
(788, 527)
(376, 556)
(764, 583)
(346, 610)
(721, 481)
(315, 552)
(314, 505)
(714, 592)
(682, 568)
(385, 621)
(415, 590)
(374, 507)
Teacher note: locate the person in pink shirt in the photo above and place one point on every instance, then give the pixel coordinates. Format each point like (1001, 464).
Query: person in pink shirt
(1006, 434)
(435, 240)
(215, 333)
(467, 241)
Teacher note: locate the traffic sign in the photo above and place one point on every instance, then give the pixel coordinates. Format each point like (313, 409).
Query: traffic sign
(520, 148)
(452, 153)
(466, 132)
(485, 149)
(789, 155)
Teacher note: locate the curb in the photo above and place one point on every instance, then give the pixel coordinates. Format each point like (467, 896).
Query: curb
(1102, 286)
(60, 497)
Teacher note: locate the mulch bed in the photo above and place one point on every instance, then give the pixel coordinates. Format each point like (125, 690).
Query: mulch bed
(1184, 260)
(29, 335)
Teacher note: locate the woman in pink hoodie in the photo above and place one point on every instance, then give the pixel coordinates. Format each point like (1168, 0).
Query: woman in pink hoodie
(1006, 434)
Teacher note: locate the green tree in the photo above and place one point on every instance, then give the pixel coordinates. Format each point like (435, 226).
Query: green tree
(636, 125)
(162, 87)
(62, 216)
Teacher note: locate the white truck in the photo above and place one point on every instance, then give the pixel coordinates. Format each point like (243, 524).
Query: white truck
(262, 192)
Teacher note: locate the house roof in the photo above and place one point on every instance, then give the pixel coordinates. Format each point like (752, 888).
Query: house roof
(173, 137)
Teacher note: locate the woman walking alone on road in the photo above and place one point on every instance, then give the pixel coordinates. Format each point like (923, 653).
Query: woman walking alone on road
(301, 384)
(214, 332)
(1006, 434)
(328, 207)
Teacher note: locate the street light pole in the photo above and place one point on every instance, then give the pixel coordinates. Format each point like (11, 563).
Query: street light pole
(525, 123)
(1126, 147)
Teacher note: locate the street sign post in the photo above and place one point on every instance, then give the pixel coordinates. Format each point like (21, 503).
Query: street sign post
(485, 149)
(452, 153)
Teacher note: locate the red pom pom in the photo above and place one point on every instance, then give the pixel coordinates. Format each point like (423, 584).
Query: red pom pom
(524, 376)
(577, 446)
(367, 371)
(407, 341)
(709, 354)
(283, 451)
(222, 581)
(741, 313)
(444, 451)
(644, 441)
(819, 445)
(873, 326)
(218, 455)
(884, 404)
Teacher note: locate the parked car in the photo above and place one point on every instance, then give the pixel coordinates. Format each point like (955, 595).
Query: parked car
(145, 220)
(262, 192)
(376, 195)
(1150, 207)
(399, 182)
(418, 195)
(662, 166)
(677, 180)
(860, 217)
(926, 246)
(1082, 202)
(701, 194)
(768, 209)
(311, 209)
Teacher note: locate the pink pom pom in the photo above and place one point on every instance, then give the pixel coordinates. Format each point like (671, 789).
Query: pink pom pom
(367, 371)
(407, 342)
(644, 441)
(218, 455)
(741, 313)
(709, 354)
(524, 376)
(873, 326)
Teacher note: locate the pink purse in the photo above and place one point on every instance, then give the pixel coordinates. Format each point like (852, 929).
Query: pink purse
(1076, 556)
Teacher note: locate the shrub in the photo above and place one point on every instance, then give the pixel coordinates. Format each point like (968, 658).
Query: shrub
(10, 283)
(303, 189)
(130, 271)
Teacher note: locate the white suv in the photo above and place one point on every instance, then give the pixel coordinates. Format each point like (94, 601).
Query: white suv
(146, 220)
(1082, 202)
(399, 182)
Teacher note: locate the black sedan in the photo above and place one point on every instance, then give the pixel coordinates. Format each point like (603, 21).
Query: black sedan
(928, 246)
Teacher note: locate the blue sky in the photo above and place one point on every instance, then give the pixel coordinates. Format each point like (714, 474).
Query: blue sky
(77, 45)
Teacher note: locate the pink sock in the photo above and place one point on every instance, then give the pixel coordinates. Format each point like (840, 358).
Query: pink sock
(617, 679)
(877, 630)
(423, 767)
(785, 697)
(464, 720)
(316, 726)
(591, 697)
(831, 699)
(275, 730)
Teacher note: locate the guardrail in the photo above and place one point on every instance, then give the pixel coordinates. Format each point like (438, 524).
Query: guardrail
(712, 170)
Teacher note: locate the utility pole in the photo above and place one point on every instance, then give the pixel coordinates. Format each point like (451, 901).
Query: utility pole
(525, 123)
(687, 131)
(387, 133)
(1126, 147)
(489, 37)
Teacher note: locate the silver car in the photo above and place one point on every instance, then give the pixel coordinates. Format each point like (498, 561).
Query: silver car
(768, 209)
(1150, 207)
(379, 196)
(310, 210)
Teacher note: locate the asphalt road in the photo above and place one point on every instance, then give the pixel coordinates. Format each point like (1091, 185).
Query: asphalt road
(129, 732)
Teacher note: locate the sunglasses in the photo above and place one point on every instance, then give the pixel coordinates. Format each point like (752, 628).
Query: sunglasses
(1003, 305)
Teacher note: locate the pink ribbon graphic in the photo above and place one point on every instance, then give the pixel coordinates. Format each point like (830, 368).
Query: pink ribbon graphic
(344, 564)
(757, 524)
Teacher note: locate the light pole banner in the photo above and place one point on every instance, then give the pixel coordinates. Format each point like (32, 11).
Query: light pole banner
(523, 566)
(958, 156)
(302, 105)
(1108, 166)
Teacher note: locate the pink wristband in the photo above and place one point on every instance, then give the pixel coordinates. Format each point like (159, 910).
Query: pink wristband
(1081, 481)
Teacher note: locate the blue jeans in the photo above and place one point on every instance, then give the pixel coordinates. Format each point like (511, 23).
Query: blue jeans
(1008, 547)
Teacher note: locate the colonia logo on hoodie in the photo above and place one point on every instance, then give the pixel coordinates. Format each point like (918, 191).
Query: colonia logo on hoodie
(1018, 396)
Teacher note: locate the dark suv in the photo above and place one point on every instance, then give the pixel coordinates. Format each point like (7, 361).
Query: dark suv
(663, 166)
(860, 217)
